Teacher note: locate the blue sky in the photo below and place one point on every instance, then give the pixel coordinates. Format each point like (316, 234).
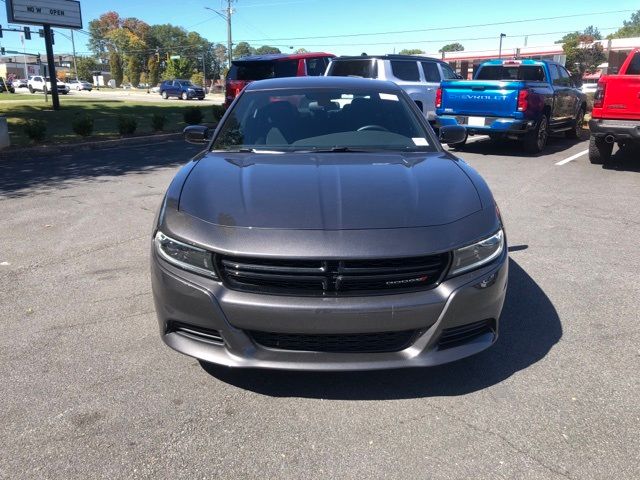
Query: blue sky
(276, 22)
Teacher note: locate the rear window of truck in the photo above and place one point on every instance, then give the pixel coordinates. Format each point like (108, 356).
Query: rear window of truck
(634, 66)
(354, 68)
(532, 73)
(263, 69)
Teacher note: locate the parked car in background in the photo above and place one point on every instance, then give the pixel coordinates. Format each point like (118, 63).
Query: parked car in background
(616, 111)
(259, 67)
(156, 89)
(79, 85)
(20, 83)
(419, 76)
(521, 99)
(6, 86)
(589, 86)
(183, 89)
(38, 83)
(324, 227)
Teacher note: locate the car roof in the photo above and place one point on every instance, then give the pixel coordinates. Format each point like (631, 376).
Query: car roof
(324, 82)
(281, 56)
(512, 61)
(388, 56)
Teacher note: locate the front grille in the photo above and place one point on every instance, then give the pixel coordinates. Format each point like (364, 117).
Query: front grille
(336, 343)
(197, 333)
(455, 336)
(337, 277)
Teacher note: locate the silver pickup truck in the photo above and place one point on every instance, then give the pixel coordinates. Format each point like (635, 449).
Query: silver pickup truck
(420, 77)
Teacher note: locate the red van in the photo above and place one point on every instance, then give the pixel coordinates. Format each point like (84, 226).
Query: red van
(259, 67)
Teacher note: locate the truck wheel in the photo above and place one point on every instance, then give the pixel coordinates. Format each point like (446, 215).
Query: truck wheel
(536, 139)
(164, 95)
(31, 90)
(459, 145)
(185, 96)
(599, 150)
(576, 131)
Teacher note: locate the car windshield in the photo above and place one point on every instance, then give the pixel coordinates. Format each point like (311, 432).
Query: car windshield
(534, 73)
(322, 119)
(186, 83)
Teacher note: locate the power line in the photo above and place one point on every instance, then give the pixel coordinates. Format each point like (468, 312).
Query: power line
(436, 29)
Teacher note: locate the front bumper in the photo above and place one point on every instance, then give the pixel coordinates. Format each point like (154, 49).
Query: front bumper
(205, 304)
(490, 126)
(622, 130)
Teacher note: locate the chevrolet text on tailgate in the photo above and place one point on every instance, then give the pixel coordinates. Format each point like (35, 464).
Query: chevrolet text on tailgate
(521, 99)
(616, 111)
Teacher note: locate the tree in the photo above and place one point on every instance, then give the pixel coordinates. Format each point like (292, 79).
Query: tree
(583, 55)
(86, 67)
(179, 68)
(266, 49)
(243, 49)
(411, 51)
(452, 47)
(134, 70)
(115, 65)
(197, 79)
(302, 50)
(630, 29)
(153, 76)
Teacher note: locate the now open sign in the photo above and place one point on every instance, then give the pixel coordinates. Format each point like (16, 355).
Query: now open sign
(57, 13)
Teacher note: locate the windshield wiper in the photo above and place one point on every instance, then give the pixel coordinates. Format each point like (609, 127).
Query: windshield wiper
(340, 149)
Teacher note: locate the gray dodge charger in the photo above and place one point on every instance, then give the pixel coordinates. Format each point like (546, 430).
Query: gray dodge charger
(323, 227)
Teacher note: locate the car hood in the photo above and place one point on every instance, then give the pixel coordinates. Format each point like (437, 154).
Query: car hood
(328, 191)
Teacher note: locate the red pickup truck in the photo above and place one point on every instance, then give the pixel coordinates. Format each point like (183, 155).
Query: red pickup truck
(616, 111)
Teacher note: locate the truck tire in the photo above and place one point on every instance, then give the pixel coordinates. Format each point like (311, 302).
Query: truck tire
(599, 150)
(31, 90)
(164, 95)
(536, 139)
(576, 131)
(459, 145)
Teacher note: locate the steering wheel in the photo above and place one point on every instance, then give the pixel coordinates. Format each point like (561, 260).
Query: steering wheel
(379, 128)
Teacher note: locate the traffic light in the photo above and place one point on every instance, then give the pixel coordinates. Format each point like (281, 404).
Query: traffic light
(0, 31)
(2, 51)
(27, 33)
(41, 33)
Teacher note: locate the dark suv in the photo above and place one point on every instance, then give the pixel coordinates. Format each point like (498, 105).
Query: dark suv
(260, 67)
(183, 89)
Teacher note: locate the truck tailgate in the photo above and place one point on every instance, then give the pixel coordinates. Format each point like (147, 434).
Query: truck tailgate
(487, 98)
(622, 97)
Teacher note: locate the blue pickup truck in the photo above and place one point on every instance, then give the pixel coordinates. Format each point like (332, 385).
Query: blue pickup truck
(521, 99)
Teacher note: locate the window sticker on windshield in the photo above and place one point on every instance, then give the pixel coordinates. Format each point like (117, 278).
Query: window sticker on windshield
(421, 142)
(388, 96)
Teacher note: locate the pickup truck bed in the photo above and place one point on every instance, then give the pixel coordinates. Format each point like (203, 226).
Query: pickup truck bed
(616, 111)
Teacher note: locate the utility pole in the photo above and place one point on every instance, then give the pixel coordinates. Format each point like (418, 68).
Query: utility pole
(502, 35)
(204, 69)
(51, 62)
(227, 16)
(73, 46)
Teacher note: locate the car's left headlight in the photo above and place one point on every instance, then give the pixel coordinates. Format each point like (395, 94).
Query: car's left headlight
(479, 254)
(185, 256)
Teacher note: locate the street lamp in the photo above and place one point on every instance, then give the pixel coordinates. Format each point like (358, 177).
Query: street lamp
(227, 17)
(502, 35)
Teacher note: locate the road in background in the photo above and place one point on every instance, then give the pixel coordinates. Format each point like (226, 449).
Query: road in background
(90, 391)
(131, 94)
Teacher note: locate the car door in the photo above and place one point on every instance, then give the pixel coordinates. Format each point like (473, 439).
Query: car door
(559, 111)
(571, 93)
(432, 79)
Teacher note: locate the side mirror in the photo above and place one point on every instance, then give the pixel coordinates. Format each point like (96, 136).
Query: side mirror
(452, 134)
(197, 134)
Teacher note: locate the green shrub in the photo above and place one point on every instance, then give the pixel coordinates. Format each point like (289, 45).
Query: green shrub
(193, 116)
(36, 130)
(158, 121)
(82, 125)
(127, 124)
(218, 112)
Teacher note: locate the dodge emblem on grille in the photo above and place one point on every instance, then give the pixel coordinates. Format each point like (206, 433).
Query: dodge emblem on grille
(407, 280)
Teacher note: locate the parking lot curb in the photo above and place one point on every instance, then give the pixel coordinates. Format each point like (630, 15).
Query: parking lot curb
(13, 153)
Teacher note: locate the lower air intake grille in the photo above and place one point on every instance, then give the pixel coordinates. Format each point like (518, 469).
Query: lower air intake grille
(197, 333)
(337, 343)
(455, 336)
(332, 277)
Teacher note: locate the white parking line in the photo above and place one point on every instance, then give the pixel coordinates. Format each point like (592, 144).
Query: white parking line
(572, 157)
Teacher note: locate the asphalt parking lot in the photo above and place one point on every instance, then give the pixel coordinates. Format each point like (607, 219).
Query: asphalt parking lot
(89, 390)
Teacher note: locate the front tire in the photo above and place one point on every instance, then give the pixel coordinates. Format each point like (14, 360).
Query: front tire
(576, 131)
(459, 145)
(185, 96)
(536, 139)
(599, 150)
(31, 90)
(164, 95)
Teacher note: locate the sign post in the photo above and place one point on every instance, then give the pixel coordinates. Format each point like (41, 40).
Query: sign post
(48, 13)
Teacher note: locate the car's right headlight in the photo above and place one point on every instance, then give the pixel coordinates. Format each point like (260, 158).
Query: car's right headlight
(185, 256)
(479, 254)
